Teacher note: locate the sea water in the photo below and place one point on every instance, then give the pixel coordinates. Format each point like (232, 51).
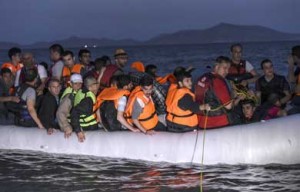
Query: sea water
(32, 171)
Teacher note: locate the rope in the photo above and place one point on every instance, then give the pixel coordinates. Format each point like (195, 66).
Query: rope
(202, 160)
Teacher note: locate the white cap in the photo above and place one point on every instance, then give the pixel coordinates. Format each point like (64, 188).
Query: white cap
(76, 78)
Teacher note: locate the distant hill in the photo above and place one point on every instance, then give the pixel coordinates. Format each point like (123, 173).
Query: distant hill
(224, 33)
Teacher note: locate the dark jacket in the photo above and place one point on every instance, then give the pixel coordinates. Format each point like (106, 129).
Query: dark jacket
(47, 111)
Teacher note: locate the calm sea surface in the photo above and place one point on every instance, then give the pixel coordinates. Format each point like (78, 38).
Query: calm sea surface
(31, 171)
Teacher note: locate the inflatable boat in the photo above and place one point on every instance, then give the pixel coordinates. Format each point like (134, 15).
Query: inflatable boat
(274, 141)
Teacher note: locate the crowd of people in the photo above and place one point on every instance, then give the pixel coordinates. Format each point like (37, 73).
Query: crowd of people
(89, 95)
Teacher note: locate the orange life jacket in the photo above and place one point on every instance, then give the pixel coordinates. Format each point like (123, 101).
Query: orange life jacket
(12, 67)
(67, 72)
(111, 94)
(148, 118)
(175, 113)
(165, 79)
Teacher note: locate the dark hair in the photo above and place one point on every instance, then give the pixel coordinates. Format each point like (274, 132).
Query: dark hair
(53, 80)
(31, 74)
(248, 101)
(113, 80)
(265, 61)
(68, 52)
(44, 64)
(146, 81)
(123, 80)
(296, 51)
(82, 51)
(106, 58)
(57, 48)
(222, 59)
(13, 51)
(235, 45)
(100, 62)
(5, 70)
(183, 75)
(150, 68)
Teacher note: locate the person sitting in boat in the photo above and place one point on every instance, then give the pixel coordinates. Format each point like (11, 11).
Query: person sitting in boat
(271, 108)
(248, 108)
(14, 64)
(83, 116)
(49, 105)
(121, 59)
(294, 66)
(27, 115)
(84, 57)
(70, 67)
(240, 71)
(213, 89)
(56, 52)
(66, 104)
(6, 83)
(140, 109)
(295, 102)
(112, 102)
(270, 83)
(181, 106)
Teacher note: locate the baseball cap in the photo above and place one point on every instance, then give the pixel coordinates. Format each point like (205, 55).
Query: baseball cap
(76, 78)
(120, 52)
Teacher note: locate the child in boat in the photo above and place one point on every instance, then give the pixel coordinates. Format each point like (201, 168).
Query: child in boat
(181, 106)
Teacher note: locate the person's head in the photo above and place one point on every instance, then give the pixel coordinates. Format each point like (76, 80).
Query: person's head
(28, 60)
(267, 67)
(7, 76)
(54, 87)
(221, 66)
(106, 59)
(14, 54)
(184, 79)
(91, 84)
(84, 56)
(76, 81)
(99, 64)
(151, 70)
(31, 76)
(68, 58)
(248, 107)
(236, 51)
(296, 54)
(124, 82)
(147, 85)
(56, 51)
(274, 99)
(121, 57)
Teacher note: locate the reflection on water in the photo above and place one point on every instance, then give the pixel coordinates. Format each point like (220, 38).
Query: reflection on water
(31, 171)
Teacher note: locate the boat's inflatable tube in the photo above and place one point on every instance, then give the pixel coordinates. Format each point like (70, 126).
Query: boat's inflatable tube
(275, 141)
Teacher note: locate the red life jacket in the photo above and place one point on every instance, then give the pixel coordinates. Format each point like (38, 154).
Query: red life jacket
(108, 73)
(237, 69)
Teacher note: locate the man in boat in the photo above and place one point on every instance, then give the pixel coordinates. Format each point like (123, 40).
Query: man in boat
(121, 59)
(14, 64)
(49, 106)
(70, 67)
(213, 89)
(294, 66)
(6, 82)
(272, 83)
(29, 63)
(181, 106)
(248, 108)
(241, 71)
(83, 115)
(67, 103)
(112, 102)
(84, 57)
(140, 109)
(27, 114)
(56, 51)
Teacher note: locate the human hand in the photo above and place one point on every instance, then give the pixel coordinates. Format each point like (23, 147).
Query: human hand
(50, 131)
(81, 137)
(244, 83)
(15, 99)
(68, 134)
(150, 132)
(205, 107)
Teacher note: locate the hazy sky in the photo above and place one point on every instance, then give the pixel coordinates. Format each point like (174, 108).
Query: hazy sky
(28, 21)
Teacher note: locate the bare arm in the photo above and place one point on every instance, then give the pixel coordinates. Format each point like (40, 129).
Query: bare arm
(139, 126)
(122, 120)
(286, 98)
(32, 112)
